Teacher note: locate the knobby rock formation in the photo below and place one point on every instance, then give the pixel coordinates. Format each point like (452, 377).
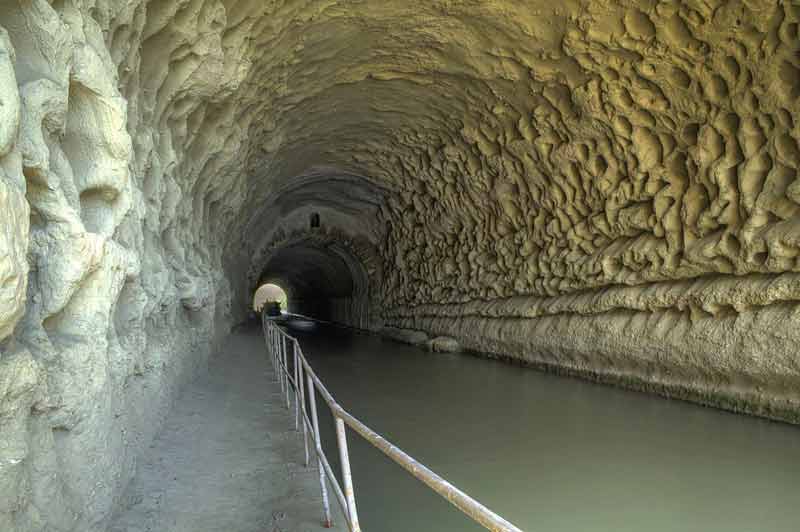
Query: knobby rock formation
(607, 188)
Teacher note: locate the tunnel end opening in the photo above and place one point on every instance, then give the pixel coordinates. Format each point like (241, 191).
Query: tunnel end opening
(324, 281)
(269, 294)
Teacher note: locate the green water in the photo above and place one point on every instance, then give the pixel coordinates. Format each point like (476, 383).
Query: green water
(550, 454)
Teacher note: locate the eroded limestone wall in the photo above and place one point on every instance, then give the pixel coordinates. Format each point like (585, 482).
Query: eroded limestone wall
(632, 219)
(603, 187)
(110, 294)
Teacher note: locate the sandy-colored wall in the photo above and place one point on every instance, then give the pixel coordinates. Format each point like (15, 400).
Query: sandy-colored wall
(110, 294)
(604, 187)
(629, 216)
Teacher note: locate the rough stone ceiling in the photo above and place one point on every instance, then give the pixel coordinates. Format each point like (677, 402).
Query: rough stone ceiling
(310, 272)
(587, 118)
(609, 188)
(372, 90)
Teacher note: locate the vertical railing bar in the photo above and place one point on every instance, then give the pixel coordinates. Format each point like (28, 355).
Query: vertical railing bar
(272, 351)
(296, 388)
(312, 403)
(276, 352)
(301, 382)
(287, 390)
(347, 477)
(280, 362)
(336, 487)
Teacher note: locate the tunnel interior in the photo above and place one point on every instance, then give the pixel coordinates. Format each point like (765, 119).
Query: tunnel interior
(317, 235)
(320, 280)
(609, 190)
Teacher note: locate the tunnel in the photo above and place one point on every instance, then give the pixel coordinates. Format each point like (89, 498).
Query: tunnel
(602, 190)
(317, 237)
(322, 282)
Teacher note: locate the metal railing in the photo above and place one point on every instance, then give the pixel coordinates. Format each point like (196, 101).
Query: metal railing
(301, 382)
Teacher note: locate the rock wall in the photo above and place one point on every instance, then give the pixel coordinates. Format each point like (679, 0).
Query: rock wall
(629, 219)
(110, 294)
(608, 188)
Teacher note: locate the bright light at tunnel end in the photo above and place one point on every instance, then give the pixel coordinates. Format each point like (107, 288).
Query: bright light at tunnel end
(270, 292)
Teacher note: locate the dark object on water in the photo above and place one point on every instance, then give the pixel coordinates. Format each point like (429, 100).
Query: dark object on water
(272, 308)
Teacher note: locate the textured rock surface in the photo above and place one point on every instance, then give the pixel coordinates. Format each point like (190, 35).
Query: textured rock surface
(443, 344)
(608, 188)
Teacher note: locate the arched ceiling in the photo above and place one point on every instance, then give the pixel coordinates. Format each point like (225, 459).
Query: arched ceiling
(532, 148)
(608, 186)
(309, 271)
(347, 206)
(376, 92)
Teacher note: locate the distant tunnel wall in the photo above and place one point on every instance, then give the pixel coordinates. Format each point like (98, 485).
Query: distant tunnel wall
(326, 276)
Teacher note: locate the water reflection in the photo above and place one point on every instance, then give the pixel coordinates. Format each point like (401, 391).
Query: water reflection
(298, 325)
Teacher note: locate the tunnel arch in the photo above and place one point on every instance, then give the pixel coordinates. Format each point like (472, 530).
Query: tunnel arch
(326, 276)
(325, 216)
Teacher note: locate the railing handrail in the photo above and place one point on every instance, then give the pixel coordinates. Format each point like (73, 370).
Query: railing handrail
(276, 340)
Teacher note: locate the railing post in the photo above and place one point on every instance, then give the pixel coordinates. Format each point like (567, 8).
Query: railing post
(272, 349)
(303, 414)
(347, 477)
(285, 371)
(296, 387)
(277, 355)
(268, 339)
(278, 359)
(280, 362)
(312, 401)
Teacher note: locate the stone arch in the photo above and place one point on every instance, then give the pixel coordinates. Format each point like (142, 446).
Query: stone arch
(327, 275)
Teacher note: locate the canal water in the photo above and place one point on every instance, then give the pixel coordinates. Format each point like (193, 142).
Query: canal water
(549, 453)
